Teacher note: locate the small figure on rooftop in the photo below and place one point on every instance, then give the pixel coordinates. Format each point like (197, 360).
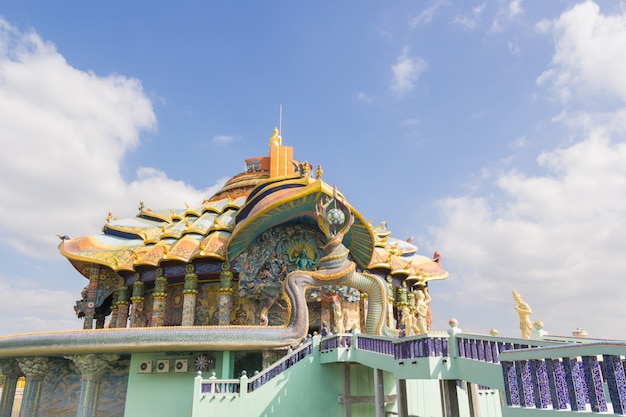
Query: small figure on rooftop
(524, 312)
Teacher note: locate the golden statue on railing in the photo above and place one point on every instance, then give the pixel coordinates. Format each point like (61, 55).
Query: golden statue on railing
(524, 312)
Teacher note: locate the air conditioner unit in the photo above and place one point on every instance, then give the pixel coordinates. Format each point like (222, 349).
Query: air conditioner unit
(163, 365)
(145, 367)
(181, 365)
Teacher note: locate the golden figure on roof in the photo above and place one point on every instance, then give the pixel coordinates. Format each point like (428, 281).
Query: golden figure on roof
(524, 312)
(276, 139)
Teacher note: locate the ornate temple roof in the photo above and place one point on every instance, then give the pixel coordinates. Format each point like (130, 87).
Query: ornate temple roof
(221, 227)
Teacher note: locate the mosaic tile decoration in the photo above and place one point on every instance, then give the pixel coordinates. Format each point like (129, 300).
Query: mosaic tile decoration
(616, 382)
(488, 351)
(574, 384)
(481, 350)
(510, 384)
(593, 380)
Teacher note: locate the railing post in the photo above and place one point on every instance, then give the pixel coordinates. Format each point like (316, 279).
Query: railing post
(379, 393)
(243, 384)
(453, 347)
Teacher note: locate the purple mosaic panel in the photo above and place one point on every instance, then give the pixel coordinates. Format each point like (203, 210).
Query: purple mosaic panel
(561, 384)
(444, 347)
(474, 349)
(488, 351)
(544, 387)
(584, 390)
(574, 384)
(534, 375)
(431, 347)
(616, 382)
(468, 349)
(495, 351)
(510, 384)
(437, 342)
(481, 350)
(528, 400)
(461, 344)
(593, 380)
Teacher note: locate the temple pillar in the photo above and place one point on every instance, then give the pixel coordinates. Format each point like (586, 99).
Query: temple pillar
(113, 321)
(379, 393)
(158, 299)
(100, 321)
(190, 292)
(225, 295)
(449, 398)
(473, 399)
(92, 368)
(90, 311)
(403, 408)
(34, 369)
(123, 304)
(137, 300)
(390, 302)
(11, 371)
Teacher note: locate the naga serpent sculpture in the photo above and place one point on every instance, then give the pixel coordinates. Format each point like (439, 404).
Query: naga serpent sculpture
(334, 269)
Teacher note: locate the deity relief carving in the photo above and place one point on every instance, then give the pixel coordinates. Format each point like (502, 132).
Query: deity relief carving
(266, 263)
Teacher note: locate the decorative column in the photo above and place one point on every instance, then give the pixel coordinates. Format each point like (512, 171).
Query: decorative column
(401, 399)
(402, 302)
(11, 371)
(34, 369)
(189, 293)
(136, 318)
(92, 368)
(379, 393)
(449, 398)
(225, 292)
(158, 299)
(390, 302)
(113, 321)
(90, 312)
(122, 307)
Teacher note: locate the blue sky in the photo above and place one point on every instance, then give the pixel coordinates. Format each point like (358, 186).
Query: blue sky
(493, 132)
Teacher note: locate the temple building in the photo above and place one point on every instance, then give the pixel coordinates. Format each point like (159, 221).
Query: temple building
(276, 297)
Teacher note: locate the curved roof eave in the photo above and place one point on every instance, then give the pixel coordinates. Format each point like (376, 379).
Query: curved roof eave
(281, 205)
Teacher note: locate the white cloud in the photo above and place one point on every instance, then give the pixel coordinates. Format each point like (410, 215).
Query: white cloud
(470, 20)
(590, 57)
(426, 16)
(34, 309)
(515, 7)
(364, 97)
(558, 239)
(520, 142)
(63, 133)
(406, 72)
(507, 14)
(223, 139)
(557, 236)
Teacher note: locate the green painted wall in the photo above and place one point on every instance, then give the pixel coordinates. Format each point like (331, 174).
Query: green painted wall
(158, 394)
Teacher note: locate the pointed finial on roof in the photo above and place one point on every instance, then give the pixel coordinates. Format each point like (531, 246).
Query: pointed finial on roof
(63, 237)
(319, 172)
(109, 217)
(141, 206)
(186, 205)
